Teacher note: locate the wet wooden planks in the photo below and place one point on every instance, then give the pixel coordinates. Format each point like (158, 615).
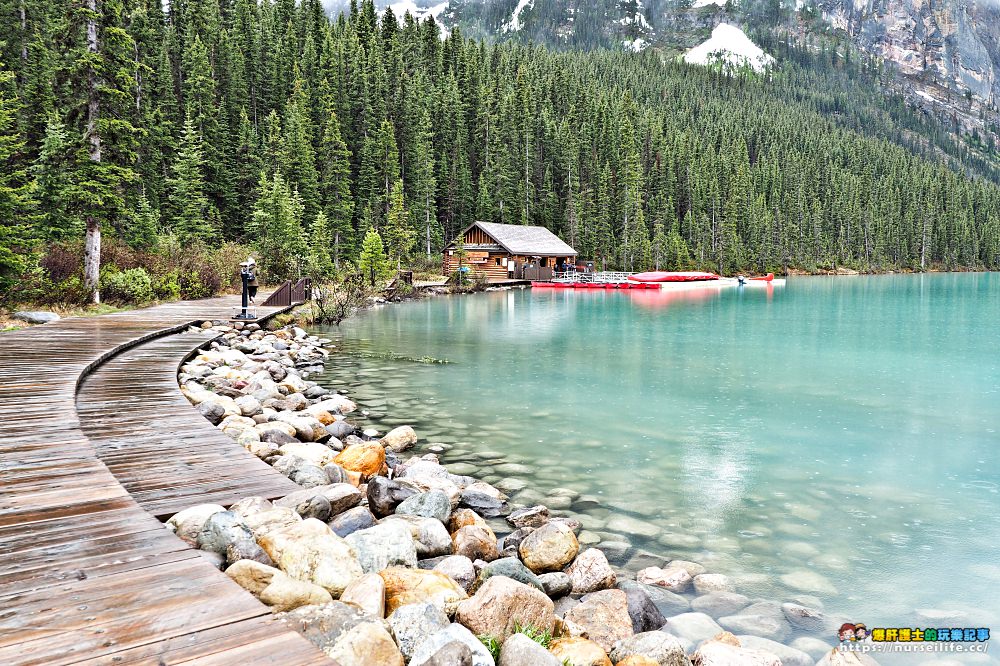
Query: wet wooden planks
(153, 440)
(87, 575)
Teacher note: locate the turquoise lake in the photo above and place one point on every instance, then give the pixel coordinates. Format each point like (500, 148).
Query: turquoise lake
(835, 437)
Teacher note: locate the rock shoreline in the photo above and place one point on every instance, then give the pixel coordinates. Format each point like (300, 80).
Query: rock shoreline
(390, 558)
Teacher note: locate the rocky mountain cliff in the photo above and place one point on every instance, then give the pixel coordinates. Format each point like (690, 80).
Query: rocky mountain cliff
(954, 43)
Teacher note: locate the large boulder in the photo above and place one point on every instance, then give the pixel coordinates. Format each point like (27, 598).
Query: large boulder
(384, 494)
(549, 548)
(346, 633)
(424, 655)
(483, 503)
(310, 551)
(399, 439)
(339, 496)
(366, 458)
(364, 644)
(462, 517)
(532, 516)
(352, 520)
(662, 649)
(412, 624)
(434, 504)
(429, 535)
(556, 584)
(336, 404)
(510, 567)
(577, 651)
(459, 568)
(187, 523)
(501, 603)
(220, 530)
(591, 572)
(275, 588)
(519, 650)
(604, 616)
(312, 452)
(452, 654)
(271, 519)
(645, 615)
(384, 545)
(367, 593)
(246, 549)
(409, 586)
(475, 542)
(36, 316)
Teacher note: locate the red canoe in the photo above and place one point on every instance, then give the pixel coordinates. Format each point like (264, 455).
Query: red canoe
(767, 278)
(672, 276)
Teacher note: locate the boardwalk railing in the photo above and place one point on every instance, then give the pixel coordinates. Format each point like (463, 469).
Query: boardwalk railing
(289, 294)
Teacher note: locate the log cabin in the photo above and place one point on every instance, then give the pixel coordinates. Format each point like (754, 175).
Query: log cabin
(509, 251)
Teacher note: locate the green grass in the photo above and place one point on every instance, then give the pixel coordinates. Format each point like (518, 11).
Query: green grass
(540, 636)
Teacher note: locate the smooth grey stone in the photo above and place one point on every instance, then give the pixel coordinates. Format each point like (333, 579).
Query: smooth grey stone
(384, 495)
(221, 529)
(558, 584)
(36, 316)
(519, 650)
(413, 623)
(483, 504)
(645, 614)
(352, 520)
(433, 504)
(511, 567)
(428, 652)
(720, 604)
(212, 411)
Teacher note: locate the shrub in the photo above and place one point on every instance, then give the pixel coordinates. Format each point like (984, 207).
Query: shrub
(129, 286)
(167, 287)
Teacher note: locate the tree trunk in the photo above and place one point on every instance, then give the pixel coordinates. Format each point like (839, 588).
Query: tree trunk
(92, 248)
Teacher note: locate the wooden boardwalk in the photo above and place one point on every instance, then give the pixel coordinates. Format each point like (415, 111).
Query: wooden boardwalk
(87, 573)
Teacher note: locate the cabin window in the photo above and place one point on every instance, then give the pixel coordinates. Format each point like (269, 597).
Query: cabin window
(544, 262)
(498, 261)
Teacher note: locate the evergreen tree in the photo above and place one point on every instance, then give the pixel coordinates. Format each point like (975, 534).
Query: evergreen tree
(52, 172)
(320, 245)
(399, 236)
(276, 228)
(193, 216)
(373, 263)
(15, 191)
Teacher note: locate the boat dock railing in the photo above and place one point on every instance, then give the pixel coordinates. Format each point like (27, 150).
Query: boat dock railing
(602, 277)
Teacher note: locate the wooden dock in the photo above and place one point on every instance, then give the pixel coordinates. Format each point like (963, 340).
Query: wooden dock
(88, 574)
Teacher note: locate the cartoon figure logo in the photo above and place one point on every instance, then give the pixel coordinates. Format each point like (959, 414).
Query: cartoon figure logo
(847, 632)
(860, 632)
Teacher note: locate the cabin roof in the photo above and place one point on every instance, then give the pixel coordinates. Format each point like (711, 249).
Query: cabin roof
(523, 240)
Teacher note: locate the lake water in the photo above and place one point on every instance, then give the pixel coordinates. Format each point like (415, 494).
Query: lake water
(838, 437)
